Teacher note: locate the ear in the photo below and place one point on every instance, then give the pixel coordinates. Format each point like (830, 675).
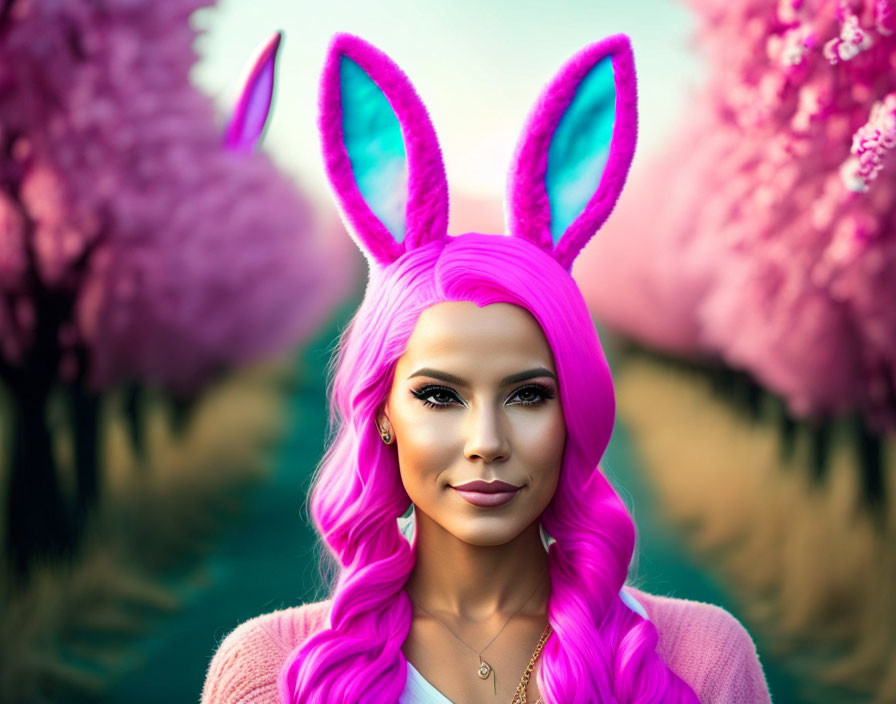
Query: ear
(382, 418)
(573, 156)
(254, 103)
(381, 153)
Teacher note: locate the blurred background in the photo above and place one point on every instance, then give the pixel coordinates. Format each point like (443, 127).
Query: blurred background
(173, 278)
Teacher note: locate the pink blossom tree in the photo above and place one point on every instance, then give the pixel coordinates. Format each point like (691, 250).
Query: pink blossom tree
(134, 245)
(764, 236)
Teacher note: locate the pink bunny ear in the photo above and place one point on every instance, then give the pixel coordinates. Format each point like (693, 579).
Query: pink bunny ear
(574, 154)
(254, 103)
(380, 151)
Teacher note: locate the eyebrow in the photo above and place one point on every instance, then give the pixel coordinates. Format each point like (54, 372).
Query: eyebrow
(513, 378)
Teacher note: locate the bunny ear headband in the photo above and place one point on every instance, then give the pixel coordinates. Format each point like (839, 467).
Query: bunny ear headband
(250, 114)
(385, 166)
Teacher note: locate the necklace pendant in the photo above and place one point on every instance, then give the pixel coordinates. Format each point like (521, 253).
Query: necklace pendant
(484, 670)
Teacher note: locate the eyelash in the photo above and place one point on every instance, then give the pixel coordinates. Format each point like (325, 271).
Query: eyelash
(545, 393)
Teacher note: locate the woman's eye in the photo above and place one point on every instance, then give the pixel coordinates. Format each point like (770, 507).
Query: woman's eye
(435, 396)
(532, 394)
(443, 397)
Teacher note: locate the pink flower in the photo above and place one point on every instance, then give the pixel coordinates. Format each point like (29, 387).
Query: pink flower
(769, 219)
(173, 257)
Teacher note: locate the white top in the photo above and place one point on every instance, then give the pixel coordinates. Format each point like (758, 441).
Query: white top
(418, 690)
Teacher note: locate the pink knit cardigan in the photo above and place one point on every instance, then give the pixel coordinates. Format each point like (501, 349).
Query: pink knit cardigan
(702, 643)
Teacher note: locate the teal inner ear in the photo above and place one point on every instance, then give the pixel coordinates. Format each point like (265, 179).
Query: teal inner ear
(580, 147)
(372, 136)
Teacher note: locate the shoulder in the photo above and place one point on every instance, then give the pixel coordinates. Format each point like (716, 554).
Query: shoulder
(707, 647)
(247, 662)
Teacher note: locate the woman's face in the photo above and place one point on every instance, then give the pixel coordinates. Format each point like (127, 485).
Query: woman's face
(474, 404)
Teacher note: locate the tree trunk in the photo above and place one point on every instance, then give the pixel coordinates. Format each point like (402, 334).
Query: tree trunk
(38, 522)
(84, 412)
(871, 466)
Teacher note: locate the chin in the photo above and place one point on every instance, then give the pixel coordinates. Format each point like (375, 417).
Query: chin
(488, 536)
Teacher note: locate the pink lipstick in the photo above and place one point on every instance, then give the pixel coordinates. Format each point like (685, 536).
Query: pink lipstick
(487, 494)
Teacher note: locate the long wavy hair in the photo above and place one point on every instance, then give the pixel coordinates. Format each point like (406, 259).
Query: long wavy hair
(601, 649)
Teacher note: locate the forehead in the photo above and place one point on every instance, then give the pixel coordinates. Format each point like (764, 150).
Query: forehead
(464, 336)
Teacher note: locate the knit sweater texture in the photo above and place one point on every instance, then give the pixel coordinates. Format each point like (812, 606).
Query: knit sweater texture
(704, 644)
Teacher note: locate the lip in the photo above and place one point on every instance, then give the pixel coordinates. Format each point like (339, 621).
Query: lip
(483, 500)
(482, 487)
(487, 494)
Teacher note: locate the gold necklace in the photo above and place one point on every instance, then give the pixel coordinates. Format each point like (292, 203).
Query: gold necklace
(485, 669)
(520, 696)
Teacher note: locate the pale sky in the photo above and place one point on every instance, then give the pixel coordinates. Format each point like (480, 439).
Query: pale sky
(477, 64)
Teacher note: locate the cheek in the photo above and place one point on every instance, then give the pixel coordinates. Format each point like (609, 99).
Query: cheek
(426, 430)
(544, 438)
(545, 445)
(427, 440)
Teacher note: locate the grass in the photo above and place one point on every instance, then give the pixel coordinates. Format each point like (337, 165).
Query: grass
(74, 628)
(812, 568)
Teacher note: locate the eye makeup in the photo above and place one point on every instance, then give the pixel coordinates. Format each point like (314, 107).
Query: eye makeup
(542, 391)
(426, 392)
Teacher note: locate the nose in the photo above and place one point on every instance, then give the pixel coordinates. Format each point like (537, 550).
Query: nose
(486, 437)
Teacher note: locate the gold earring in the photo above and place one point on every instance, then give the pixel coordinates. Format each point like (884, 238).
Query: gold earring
(386, 436)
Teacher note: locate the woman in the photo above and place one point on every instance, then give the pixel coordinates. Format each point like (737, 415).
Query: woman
(471, 386)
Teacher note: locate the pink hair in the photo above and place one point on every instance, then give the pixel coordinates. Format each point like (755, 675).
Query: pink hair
(601, 649)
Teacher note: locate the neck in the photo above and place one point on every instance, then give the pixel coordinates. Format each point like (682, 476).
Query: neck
(474, 582)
